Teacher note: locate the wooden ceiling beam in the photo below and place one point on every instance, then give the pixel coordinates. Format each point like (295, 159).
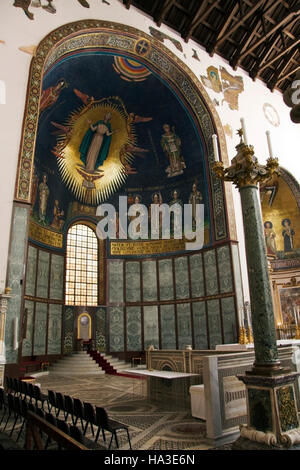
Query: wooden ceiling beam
(228, 17)
(288, 74)
(251, 12)
(289, 17)
(203, 11)
(278, 56)
(279, 70)
(253, 27)
(260, 60)
(163, 10)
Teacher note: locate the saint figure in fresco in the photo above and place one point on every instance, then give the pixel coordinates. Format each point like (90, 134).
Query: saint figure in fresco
(171, 145)
(175, 200)
(195, 198)
(43, 198)
(95, 145)
(288, 235)
(270, 236)
(58, 216)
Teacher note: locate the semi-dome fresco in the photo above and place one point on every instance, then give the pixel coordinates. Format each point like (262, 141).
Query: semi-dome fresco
(110, 126)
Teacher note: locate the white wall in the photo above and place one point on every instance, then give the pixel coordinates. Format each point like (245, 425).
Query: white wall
(17, 31)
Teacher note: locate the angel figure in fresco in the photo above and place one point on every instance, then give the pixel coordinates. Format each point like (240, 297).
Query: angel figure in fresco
(288, 235)
(171, 145)
(270, 236)
(94, 148)
(51, 94)
(58, 216)
(43, 199)
(195, 198)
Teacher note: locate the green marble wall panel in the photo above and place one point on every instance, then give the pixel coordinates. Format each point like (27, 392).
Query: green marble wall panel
(27, 342)
(116, 282)
(200, 329)
(68, 330)
(237, 277)
(225, 273)
(149, 281)
(40, 326)
(15, 273)
(197, 280)
(54, 329)
(133, 281)
(211, 277)
(167, 325)
(184, 325)
(151, 326)
(214, 323)
(166, 287)
(116, 329)
(31, 271)
(57, 277)
(229, 320)
(260, 409)
(182, 278)
(134, 332)
(43, 274)
(101, 329)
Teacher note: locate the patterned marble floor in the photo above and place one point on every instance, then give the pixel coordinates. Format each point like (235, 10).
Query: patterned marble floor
(150, 426)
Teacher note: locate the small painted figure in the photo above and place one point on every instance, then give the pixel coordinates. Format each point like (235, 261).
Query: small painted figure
(43, 199)
(195, 198)
(171, 145)
(270, 236)
(58, 216)
(178, 210)
(288, 235)
(51, 94)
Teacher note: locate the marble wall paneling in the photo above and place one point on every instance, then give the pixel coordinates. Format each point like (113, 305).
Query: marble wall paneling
(166, 285)
(151, 334)
(116, 281)
(101, 329)
(200, 327)
(168, 327)
(68, 330)
(197, 279)
(149, 281)
(237, 277)
(225, 273)
(43, 274)
(229, 320)
(31, 271)
(57, 277)
(116, 329)
(133, 281)
(184, 325)
(214, 322)
(27, 342)
(40, 326)
(181, 278)
(54, 329)
(211, 276)
(133, 328)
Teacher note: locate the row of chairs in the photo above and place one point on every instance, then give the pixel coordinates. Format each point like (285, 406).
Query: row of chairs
(84, 411)
(16, 407)
(25, 390)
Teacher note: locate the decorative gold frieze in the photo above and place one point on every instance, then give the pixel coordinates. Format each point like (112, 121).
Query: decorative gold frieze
(45, 236)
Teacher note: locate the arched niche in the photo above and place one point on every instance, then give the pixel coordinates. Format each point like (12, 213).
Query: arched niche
(94, 35)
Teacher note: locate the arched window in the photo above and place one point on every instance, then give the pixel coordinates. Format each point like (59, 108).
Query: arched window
(81, 266)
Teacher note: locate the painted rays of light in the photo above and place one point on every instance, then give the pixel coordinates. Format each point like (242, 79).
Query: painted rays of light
(130, 70)
(98, 186)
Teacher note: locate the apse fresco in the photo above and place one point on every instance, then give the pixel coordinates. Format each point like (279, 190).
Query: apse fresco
(281, 218)
(110, 126)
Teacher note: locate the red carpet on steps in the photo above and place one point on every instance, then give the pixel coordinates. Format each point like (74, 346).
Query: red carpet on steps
(105, 365)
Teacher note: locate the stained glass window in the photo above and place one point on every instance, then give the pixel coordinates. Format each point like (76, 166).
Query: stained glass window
(81, 266)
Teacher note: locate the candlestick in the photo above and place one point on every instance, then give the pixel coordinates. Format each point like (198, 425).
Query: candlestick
(244, 131)
(294, 308)
(269, 144)
(215, 146)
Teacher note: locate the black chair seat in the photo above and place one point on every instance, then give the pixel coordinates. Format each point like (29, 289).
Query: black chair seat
(114, 425)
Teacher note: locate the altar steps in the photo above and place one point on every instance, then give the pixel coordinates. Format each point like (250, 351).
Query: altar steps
(77, 363)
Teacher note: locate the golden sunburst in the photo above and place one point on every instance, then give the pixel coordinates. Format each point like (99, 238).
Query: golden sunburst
(96, 187)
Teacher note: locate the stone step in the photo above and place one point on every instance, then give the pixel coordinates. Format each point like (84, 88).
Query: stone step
(123, 366)
(66, 372)
(72, 366)
(82, 360)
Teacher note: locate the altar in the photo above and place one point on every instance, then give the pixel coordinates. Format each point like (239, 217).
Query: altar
(168, 388)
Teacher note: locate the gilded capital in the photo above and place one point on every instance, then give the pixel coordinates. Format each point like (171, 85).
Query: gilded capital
(245, 169)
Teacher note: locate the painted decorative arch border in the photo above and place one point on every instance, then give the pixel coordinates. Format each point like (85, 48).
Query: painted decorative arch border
(97, 35)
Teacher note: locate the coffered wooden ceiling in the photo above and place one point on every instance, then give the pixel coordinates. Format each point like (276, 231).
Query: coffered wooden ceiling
(261, 36)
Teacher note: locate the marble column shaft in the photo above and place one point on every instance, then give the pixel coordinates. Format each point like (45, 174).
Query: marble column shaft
(264, 332)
